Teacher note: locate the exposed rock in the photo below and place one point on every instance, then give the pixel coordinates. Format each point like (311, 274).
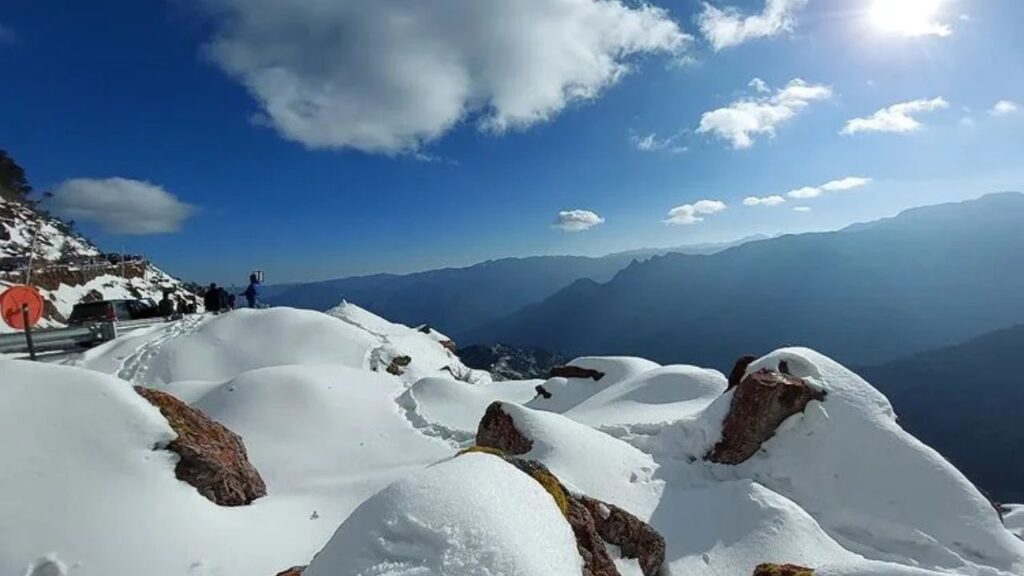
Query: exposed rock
(782, 570)
(543, 392)
(632, 535)
(450, 345)
(497, 430)
(293, 571)
(759, 404)
(596, 561)
(398, 365)
(739, 369)
(575, 372)
(212, 458)
(92, 296)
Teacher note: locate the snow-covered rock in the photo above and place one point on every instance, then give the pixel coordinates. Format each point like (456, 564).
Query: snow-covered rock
(839, 487)
(472, 516)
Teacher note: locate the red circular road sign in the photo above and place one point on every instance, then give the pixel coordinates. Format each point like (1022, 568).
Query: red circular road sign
(12, 301)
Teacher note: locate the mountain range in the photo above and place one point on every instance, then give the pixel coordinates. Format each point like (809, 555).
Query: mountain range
(930, 277)
(463, 299)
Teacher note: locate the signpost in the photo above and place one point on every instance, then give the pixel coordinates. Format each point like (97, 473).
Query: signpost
(21, 308)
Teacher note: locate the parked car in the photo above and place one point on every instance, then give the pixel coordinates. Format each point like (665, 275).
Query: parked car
(116, 310)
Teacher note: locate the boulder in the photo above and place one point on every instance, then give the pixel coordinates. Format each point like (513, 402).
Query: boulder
(212, 458)
(782, 570)
(293, 571)
(759, 404)
(739, 370)
(497, 430)
(575, 372)
(632, 535)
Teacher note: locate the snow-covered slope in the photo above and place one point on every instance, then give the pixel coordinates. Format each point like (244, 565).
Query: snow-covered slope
(68, 268)
(361, 479)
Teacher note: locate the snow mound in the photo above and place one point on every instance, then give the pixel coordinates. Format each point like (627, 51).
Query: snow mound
(1013, 519)
(451, 409)
(589, 461)
(229, 344)
(656, 396)
(344, 420)
(218, 348)
(875, 488)
(462, 517)
(569, 392)
(90, 488)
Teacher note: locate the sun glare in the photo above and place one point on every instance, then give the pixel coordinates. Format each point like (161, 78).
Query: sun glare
(908, 17)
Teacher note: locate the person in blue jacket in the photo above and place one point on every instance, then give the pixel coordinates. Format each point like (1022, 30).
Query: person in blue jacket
(252, 293)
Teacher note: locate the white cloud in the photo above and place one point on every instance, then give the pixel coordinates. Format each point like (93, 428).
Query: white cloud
(848, 183)
(390, 75)
(801, 208)
(727, 27)
(896, 118)
(121, 205)
(653, 143)
(805, 192)
(1004, 107)
(693, 213)
(759, 86)
(744, 119)
(577, 220)
(764, 201)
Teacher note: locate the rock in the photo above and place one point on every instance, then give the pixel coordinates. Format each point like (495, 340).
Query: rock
(543, 392)
(632, 535)
(739, 370)
(498, 431)
(293, 571)
(759, 404)
(212, 458)
(450, 345)
(782, 570)
(575, 372)
(596, 561)
(402, 361)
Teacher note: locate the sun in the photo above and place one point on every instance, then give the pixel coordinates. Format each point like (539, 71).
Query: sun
(908, 17)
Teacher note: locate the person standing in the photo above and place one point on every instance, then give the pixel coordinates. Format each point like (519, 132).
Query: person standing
(252, 293)
(211, 300)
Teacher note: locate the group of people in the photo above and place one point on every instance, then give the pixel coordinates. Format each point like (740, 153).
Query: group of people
(217, 299)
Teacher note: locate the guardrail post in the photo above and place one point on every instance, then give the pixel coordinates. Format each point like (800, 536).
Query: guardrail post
(28, 332)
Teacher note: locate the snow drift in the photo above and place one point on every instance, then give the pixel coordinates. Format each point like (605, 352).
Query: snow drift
(357, 459)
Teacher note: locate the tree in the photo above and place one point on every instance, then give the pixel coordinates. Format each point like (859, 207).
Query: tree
(13, 182)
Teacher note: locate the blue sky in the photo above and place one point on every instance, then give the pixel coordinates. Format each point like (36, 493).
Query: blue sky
(308, 142)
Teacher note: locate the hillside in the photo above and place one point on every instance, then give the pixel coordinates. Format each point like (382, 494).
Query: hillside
(930, 277)
(459, 300)
(67, 268)
(964, 401)
(270, 439)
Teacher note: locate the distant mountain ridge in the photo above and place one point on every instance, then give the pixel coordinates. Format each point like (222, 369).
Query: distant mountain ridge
(929, 277)
(459, 300)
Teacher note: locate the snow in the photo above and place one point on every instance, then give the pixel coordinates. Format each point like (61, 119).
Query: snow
(82, 274)
(359, 468)
(475, 515)
(1014, 519)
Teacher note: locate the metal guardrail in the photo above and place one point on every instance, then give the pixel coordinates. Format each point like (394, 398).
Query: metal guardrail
(58, 339)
